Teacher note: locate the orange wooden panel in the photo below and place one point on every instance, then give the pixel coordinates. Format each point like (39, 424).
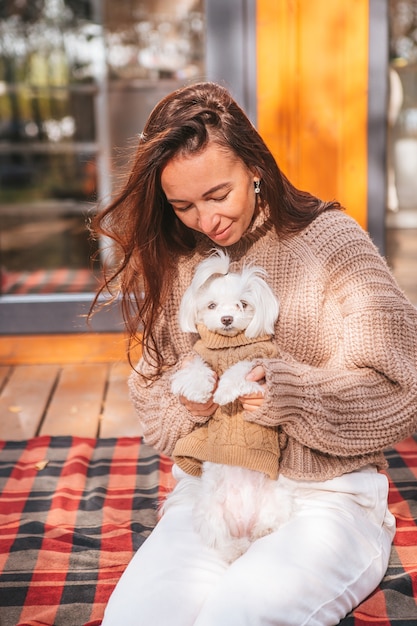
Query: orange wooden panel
(71, 348)
(24, 399)
(119, 418)
(76, 406)
(312, 94)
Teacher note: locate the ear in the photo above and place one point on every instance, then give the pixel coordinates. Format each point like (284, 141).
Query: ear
(217, 264)
(187, 315)
(257, 176)
(266, 308)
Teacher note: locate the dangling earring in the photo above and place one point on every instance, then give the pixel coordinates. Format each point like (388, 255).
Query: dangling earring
(257, 184)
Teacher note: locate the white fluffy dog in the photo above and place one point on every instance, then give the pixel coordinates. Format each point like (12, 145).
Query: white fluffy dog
(233, 505)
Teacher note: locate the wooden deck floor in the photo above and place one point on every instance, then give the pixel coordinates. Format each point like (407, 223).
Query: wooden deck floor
(81, 392)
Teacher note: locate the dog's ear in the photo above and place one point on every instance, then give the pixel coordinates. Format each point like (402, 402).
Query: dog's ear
(265, 305)
(217, 264)
(187, 315)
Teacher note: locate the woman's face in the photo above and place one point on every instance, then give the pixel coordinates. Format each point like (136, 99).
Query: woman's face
(211, 192)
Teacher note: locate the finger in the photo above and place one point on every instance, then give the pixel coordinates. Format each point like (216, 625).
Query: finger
(191, 403)
(250, 407)
(198, 409)
(252, 402)
(257, 374)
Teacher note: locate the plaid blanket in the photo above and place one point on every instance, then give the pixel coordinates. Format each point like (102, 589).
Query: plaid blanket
(73, 511)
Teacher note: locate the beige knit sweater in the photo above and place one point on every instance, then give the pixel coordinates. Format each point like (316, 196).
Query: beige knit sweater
(343, 385)
(227, 437)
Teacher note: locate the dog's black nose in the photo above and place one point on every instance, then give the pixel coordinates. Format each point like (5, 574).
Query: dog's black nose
(226, 320)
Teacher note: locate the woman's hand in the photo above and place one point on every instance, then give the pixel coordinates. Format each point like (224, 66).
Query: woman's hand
(255, 400)
(198, 409)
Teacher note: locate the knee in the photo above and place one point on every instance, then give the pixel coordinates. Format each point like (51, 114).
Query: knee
(254, 601)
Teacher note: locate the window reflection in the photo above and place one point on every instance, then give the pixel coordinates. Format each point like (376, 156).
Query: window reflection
(31, 177)
(402, 145)
(147, 42)
(78, 79)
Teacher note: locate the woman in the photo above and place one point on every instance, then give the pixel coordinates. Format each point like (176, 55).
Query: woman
(342, 388)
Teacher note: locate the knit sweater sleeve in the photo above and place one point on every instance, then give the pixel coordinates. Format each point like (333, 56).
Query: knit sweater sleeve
(364, 398)
(162, 417)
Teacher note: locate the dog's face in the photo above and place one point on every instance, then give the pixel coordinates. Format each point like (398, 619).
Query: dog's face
(223, 306)
(228, 303)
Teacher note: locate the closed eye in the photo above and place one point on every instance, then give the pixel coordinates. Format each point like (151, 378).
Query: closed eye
(221, 199)
(181, 209)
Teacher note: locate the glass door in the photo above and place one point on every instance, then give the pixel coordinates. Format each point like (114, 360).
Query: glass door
(77, 80)
(401, 218)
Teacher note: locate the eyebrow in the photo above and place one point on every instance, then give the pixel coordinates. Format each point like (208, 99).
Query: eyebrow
(205, 194)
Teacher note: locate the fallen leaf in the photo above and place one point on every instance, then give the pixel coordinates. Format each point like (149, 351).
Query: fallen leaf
(40, 465)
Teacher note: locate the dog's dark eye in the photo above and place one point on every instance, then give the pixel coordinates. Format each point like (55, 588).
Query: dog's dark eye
(244, 304)
(212, 305)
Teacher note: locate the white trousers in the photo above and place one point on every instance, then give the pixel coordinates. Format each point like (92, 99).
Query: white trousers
(314, 570)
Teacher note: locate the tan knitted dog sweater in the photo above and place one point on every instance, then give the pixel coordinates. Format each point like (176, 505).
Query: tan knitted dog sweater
(227, 437)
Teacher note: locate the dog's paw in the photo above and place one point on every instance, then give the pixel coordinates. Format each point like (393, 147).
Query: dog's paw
(233, 383)
(195, 381)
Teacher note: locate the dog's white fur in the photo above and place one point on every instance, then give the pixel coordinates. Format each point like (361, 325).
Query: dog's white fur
(215, 294)
(233, 505)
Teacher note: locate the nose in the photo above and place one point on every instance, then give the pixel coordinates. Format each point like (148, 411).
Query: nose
(226, 320)
(208, 221)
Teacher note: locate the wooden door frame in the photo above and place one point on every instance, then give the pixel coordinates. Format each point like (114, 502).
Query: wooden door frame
(378, 93)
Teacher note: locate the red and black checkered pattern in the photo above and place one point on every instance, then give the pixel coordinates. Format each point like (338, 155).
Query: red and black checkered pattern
(67, 531)
(394, 603)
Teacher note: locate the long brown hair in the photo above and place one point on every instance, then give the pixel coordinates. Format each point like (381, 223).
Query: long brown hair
(145, 231)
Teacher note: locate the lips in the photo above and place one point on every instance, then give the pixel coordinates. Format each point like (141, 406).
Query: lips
(220, 234)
